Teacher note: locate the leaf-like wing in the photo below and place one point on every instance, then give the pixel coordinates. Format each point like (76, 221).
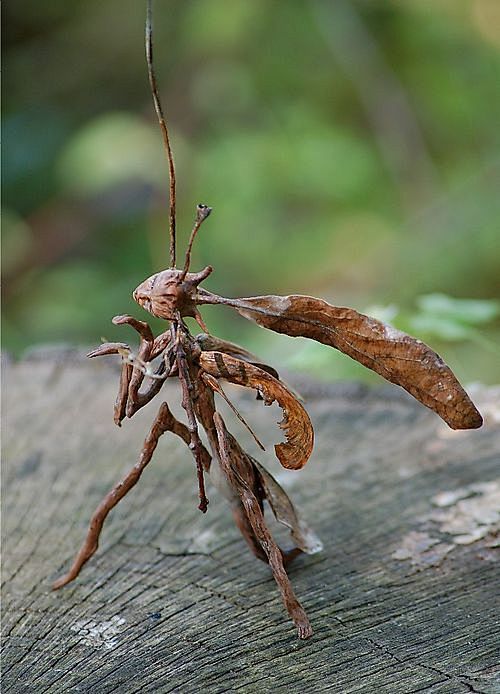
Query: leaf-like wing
(285, 513)
(296, 424)
(397, 357)
(239, 476)
(209, 343)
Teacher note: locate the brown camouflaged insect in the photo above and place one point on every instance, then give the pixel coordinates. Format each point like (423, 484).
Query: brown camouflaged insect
(201, 362)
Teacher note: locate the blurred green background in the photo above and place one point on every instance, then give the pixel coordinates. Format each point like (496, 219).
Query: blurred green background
(349, 150)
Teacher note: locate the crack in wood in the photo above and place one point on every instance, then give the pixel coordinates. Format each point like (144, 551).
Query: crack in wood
(404, 661)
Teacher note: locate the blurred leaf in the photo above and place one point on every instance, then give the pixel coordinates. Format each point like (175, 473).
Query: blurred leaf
(219, 24)
(109, 150)
(467, 311)
(223, 89)
(440, 327)
(275, 132)
(16, 240)
(31, 140)
(386, 314)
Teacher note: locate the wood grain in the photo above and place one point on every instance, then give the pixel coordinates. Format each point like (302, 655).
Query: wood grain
(402, 598)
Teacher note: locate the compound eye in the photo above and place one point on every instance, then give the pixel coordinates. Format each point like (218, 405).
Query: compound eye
(152, 282)
(143, 292)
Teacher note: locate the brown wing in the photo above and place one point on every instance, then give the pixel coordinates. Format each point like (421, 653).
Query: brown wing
(296, 424)
(284, 511)
(397, 357)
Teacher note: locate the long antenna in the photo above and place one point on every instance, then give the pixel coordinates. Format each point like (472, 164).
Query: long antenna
(163, 126)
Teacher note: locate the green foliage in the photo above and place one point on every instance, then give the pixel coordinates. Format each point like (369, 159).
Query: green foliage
(108, 151)
(451, 319)
(463, 311)
(349, 150)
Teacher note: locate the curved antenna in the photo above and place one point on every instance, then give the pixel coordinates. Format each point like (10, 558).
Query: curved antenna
(163, 126)
(202, 212)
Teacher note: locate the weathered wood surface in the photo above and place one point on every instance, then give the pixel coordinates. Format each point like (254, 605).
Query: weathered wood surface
(404, 597)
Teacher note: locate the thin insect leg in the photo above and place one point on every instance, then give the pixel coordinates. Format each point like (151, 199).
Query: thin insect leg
(162, 372)
(245, 528)
(151, 390)
(121, 399)
(125, 375)
(141, 367)
(138, 362)
(181, 430)
(139, 325)
(217, 388)
(178, 428)
(256, 519)
(195, 444)
(138, 373)
(133, 359)
(160, 425)
(199, 319)
(205, 410)
(137, 378)
(109, 348)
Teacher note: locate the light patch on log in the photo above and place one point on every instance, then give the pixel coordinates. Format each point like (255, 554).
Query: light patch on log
(466, 515)
(99, 634)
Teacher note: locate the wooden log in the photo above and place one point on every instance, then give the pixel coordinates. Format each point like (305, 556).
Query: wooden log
(402, 598)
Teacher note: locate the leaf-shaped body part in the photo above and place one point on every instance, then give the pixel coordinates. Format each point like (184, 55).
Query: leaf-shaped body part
(397, 357)
(296, 424)
(284, 511)
(239, 476)
(209, 343)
